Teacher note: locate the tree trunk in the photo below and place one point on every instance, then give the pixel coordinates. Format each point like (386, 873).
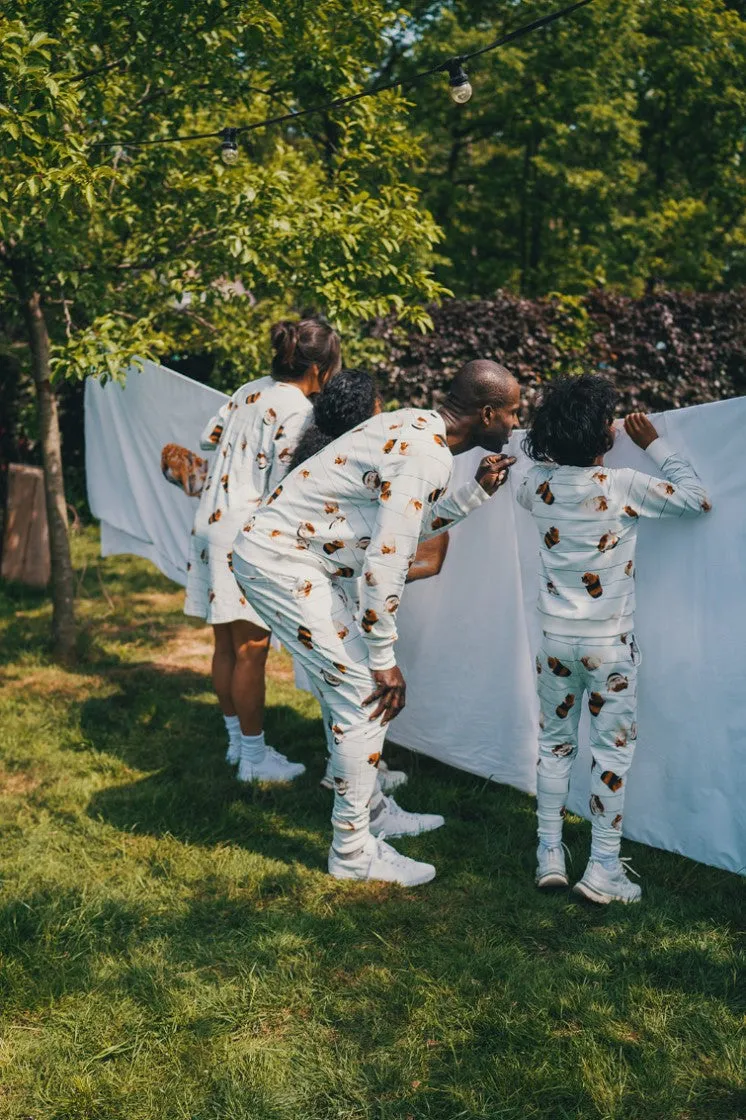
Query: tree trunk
(63, 587)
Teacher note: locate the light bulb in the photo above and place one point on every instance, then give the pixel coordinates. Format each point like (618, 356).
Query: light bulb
(461, 90)
(229, 147)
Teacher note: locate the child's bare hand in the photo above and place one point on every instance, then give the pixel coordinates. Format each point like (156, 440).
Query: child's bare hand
(640, 430)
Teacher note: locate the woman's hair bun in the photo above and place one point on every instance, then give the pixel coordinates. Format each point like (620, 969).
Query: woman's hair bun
(284, 338)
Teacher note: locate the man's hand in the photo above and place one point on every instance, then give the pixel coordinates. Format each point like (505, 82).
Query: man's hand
(492, 472)
(390, 692)
(640, 430)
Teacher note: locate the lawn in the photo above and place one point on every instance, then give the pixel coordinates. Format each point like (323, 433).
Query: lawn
(172, 947)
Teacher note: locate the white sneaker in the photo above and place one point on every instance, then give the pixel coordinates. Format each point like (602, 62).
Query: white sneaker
(392, 820)
(599, 884)
(550, 869)
(378, 860)
(274, 767)
(390, 779)
(327, 782)
(233, 754)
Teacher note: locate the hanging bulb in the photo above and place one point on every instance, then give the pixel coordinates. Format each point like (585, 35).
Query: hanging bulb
(229, 147)
(461, 90)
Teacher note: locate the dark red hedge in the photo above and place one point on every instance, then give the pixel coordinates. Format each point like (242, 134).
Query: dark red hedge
(667, 350)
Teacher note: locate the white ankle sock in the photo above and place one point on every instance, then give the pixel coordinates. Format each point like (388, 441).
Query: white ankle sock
(253, 747)
(233, 727)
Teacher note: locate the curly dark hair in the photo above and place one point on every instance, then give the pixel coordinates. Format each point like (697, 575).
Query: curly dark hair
(571, 426)
(345, 401)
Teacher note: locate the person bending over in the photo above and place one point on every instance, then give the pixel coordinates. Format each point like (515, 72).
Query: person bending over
(346, 401)
(253, 436)
(359, 508)
(587, 515)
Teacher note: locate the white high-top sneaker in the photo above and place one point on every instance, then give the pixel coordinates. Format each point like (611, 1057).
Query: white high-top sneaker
(599, 884)
(233, 754)
(550, 867)
(392, 820)
(390, 779)
(274, 767)
(378, 860)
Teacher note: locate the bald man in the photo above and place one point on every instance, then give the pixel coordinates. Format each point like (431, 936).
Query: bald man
(359, 508)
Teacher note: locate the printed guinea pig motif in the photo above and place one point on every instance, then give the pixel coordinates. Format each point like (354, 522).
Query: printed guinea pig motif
(362, 544)
(203, 555)
(211, 596)
(331, 508)
(249, 525)
(545, 493)
(374, 759)
(274, 495)
(612, 780)
(631, 512)
(340, 461)
(414, 505)
(593, 585)
(590, 663)
(285, 455)
(388, 548)
(420, 423)
(372, 480)
(215, 434)
(538, 667)
(261, 460)
(280, 433)
(333, 546)
(557, 667)
(629, 568)
(385, 491)
(230, 561)
(596, 805)
(335, 682)
(368, 621)
(253, 398)
(389, 446)
(617, 822)
(392, 604)
(302, 589)
(552, 537)
(595, 703)
(269, 416)
(342, 632)
(305, 637)
(224, 482)
(370, 579)
(562, 750)
(620, 739)
(616, 682)
(600, 477)
(436, 495)
(440, 440)
(665, 488)
(306, 529)
(563, 709)
(607, 542)
(214, 517)
(552, 588)
(345, 573)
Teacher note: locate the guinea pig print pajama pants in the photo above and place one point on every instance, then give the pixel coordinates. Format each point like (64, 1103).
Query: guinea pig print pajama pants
(605, 669)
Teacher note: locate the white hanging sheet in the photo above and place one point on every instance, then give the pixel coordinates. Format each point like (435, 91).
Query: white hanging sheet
(126, 426)
(467, 637)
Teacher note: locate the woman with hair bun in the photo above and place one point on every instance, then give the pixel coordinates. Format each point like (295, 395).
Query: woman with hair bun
(254, 436)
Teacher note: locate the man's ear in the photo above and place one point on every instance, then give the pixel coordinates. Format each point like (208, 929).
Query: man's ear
(486, 414)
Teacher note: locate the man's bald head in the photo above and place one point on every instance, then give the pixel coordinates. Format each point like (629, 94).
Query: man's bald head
(482, 406)
(482, 382)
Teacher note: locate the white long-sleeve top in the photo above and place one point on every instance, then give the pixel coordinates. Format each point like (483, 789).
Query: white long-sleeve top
(359, 508)
(587, 519)
(254, 436)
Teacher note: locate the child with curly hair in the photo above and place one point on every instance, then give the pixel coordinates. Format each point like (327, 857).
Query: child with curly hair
(587, 515)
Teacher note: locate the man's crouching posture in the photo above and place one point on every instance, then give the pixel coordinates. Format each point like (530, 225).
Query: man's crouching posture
(359, 508)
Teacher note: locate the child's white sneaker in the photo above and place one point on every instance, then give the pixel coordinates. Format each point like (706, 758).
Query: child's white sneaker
(392, 820)
(603, 884)
(327, 782)
(378, 860)
(233, 754)
(273, 767)
(390, 779)
(550, 868)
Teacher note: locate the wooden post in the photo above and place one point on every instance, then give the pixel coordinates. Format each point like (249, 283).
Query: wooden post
(26, 536)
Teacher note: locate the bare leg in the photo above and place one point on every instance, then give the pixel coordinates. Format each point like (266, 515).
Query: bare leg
(223, 664)
(250, 648)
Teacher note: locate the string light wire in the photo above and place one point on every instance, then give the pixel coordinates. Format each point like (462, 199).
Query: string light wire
(339, 102)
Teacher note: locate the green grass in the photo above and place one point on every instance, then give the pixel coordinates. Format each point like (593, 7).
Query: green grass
(172, 947)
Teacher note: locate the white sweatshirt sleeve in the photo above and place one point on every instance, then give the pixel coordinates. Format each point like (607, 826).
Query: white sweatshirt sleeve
(213, 429)
(679, 493)
(284, 441)
(448, 510)
(402, 505)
